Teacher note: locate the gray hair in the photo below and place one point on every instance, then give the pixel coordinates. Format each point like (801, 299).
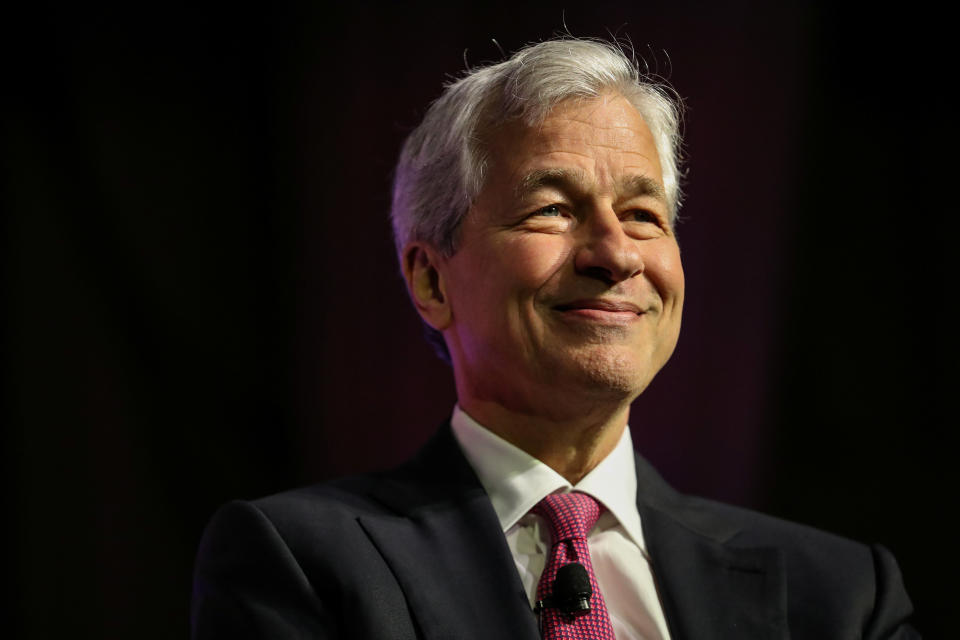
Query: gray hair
(443, 163)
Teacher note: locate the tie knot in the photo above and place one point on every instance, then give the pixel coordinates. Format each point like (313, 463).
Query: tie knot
(569, 515)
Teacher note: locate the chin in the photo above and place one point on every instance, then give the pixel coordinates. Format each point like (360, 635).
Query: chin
(613, 374)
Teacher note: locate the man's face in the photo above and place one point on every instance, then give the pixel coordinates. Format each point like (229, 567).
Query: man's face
(567, 275)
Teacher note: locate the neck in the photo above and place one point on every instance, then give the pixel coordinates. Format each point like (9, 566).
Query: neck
(571, 447)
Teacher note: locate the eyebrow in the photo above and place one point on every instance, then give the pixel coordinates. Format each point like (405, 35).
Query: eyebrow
(559, 178)
(634, 186)
(631, 186)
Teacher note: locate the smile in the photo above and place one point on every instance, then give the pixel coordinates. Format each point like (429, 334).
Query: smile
(600, 310)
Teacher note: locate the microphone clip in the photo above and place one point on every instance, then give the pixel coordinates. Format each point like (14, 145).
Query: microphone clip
(571, 592)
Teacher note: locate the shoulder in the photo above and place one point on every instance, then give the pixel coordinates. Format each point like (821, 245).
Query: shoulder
(294, 563)
(334, 510)
(830, 580)
(831, 586)
(343, 498)
(739, 527)
(298, 518)
(829, 576)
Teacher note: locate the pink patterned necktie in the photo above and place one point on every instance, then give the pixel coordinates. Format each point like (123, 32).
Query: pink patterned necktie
(570, 516)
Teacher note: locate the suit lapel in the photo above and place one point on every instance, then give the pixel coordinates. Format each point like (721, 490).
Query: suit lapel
(447, 551)
(709, 588)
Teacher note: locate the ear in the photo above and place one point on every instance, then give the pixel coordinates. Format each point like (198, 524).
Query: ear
(422, 269)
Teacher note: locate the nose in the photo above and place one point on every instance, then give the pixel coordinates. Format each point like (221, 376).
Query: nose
(605, 251)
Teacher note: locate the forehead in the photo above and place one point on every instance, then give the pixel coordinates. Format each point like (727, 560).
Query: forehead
(604, 139)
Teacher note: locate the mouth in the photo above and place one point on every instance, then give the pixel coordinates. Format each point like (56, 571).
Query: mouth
(600, 310)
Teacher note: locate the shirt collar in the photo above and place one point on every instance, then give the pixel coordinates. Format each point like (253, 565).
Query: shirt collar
(516, 481)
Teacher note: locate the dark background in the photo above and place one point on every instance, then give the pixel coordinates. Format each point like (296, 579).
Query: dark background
(202, 301)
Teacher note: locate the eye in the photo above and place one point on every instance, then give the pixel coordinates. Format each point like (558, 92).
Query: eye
(550, 211)
(551, 218)
(641, 215)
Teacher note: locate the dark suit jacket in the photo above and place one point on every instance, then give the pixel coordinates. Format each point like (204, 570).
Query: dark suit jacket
(418, 553)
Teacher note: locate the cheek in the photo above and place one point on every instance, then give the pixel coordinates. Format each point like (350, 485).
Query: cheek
(505, 276)
(665, 270)
(535, 260)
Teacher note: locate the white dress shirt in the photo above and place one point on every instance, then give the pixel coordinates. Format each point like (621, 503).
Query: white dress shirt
(516, 481)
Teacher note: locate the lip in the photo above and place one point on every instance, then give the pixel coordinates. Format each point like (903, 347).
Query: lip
(600, 311)
(600, 304)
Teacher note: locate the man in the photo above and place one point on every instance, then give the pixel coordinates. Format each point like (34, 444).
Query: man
(533, 213)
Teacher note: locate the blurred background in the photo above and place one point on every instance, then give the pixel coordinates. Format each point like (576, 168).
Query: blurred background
(202, 301)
